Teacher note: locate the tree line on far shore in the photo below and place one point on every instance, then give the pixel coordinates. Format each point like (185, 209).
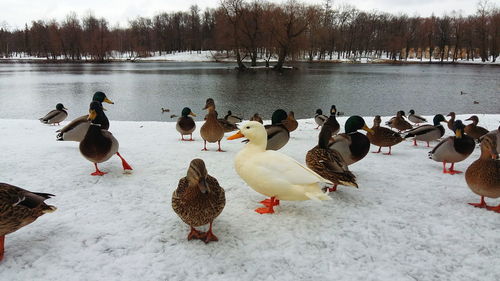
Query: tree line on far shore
(259, 30)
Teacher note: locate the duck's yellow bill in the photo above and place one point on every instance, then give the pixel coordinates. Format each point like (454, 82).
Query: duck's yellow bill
(367, 129)
(92, 115)
(236, 136)
(108, 101)
(192, 114)
(458, 133)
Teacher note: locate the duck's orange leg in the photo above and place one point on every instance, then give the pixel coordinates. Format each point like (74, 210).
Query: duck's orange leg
(97, 171)
(415, 142)
(378, 151)
(2, 241)
(209, 236)
(204, 146)
(195, 234)
(481, 204)
(389, 153)
(333, 188)
(125, 165)
(268, 209)
(494, 209)
(267, 202)
(452, 171)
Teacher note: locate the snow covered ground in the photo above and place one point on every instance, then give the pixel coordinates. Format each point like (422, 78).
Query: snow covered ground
(407, 221)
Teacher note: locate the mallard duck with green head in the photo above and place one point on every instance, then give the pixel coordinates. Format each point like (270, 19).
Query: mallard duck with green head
(185, 124)
(415, 118)
(483, 175)
(55, 116)
(319, 118)
(18, 208)
(198, 200)
(256, 117)
(453, 149)
(99, 145)
(427, 133)
(383, 137)
(233, 119)
(332, 120)
(76, 129)
(277, 134)
(352, 145)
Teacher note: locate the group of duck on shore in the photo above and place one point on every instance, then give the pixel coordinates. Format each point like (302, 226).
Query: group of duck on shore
(199, 198)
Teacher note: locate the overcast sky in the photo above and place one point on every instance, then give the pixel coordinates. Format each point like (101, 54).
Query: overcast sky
(18, 12)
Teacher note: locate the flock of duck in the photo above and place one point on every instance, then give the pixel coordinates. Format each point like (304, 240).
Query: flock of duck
(199, 198)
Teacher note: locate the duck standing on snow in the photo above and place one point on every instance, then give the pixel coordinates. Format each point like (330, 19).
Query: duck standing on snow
(185, 124)
(352, 145)
(256, 117)
(473, 130)
(453, 149)
(483, 175)
(277, 134)
(55, 116)
(198, 200)
(274, 174)
(233, 119)
(319, 118)
(211, 131)
(76, 129)
(451, 122)
(332, 121)
(383, 137)
(399, 123)
(99, 145)
(329, 163)
(417, 119)
(18, 208)
(427, 133)
(290, 123)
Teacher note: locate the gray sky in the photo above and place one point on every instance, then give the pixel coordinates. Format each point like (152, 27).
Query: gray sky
(17, 12)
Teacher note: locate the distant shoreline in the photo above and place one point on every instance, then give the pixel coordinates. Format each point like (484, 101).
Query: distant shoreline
(377, 61)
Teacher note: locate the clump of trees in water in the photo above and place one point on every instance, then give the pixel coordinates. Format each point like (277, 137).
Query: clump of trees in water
(259, 30)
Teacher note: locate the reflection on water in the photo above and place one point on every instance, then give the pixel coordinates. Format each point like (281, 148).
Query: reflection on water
(139, 90)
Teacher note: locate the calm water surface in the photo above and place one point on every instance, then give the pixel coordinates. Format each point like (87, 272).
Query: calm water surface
(139, 90)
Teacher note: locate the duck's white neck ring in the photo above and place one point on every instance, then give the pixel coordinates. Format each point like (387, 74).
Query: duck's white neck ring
(93, 124)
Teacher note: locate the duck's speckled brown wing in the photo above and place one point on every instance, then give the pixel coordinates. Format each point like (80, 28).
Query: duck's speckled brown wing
(19, 207)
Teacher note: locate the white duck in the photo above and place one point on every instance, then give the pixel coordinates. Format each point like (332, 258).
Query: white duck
(274, 174)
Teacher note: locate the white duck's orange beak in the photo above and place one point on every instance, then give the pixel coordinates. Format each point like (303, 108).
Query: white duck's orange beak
(236, 136)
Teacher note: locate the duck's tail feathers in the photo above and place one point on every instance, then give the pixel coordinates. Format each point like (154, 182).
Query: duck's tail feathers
(318, 196)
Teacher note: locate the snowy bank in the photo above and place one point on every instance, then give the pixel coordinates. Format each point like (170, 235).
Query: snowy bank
(407, 221)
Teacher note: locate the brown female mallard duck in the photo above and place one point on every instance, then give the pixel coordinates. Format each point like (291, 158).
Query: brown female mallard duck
(290, 123)
(473, 130)
(185, 124)
(18, 208)
(483, 175)
(453, 149)
(352, 145)
(383, 137)
(329, 163)
(451, 122)
(76, 129)
(55, 116)
(198, 200)
(256, 117)
(99, 145)
(398, 122)
(211, 131)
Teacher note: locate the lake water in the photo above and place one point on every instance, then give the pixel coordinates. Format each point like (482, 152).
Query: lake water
(140, 90)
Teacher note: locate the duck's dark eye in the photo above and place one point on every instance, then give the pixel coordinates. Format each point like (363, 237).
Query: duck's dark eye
(248, 127)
